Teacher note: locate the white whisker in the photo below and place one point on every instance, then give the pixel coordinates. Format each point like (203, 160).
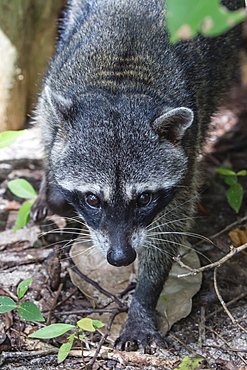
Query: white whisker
(155, 222)
(55, 231)
(182, 233)
(150, 245)
(86, 251)
(180, 245)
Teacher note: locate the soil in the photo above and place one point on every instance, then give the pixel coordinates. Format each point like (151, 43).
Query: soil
(208, 331)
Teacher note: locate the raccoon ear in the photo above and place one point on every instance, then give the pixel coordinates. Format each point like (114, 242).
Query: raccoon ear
(171, 125)
(61, 107)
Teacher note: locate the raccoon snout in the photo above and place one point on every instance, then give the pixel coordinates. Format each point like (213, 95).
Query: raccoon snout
(121, 256)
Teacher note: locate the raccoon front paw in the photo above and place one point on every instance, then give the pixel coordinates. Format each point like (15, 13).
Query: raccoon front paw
(39, 210)
(143, 338)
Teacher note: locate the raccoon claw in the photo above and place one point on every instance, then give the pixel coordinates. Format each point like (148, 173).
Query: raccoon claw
(140, 339)
(39, 211)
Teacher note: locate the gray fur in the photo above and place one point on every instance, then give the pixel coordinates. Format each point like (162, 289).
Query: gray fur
(124, 113)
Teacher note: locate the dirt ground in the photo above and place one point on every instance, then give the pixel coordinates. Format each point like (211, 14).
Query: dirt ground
(207, 332)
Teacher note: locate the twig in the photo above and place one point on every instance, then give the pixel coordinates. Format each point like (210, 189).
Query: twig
(224, 341)
(129, 288)
(89, 311)
(232, 252)
(223, 303)
(18, 355)
(229, 227)
(227, 304)
(225, 349)
(67, 298)
(183, 344)
(11, 294)
(103, 338)
(48, 321)
(94, 283)
(82, 352)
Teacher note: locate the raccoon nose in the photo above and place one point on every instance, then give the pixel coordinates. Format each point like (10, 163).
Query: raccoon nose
(121, 256)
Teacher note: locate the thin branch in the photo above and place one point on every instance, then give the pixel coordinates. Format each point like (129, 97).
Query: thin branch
(11, 294)
(224, 341)
(94, 283)
(225, 349)
(183, 344)
(232, 252)
(54, 303)
(89, 311)
(67, 298)
(19, 355)
(223, 303)
(243, 295)
(103, 338)
(227, 228)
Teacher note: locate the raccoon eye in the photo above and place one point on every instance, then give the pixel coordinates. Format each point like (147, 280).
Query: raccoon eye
(143, 199)
(92, 200)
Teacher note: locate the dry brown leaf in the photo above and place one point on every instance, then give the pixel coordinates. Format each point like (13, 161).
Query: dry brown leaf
(178, 291)
(238, 236)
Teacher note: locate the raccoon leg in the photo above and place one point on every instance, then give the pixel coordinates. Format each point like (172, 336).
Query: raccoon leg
(39, 209)
(140, 328)
(50, 200)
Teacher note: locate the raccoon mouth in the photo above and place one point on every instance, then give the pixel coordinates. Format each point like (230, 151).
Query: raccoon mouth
(121, 257)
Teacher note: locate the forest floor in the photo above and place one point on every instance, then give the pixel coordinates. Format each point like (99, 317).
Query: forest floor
(207, 332)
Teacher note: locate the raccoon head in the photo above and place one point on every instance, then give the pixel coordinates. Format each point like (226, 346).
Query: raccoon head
(119, 164)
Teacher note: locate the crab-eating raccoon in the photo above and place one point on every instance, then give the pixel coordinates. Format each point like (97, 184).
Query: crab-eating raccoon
(123, 115)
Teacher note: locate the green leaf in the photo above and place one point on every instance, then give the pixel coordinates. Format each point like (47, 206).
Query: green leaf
(235, 196)
(165, 298)
(189, 363)
(242, 173)
(52, 331)
(23, 216)
(28, 311)
(8, 137)
(186, 18)
(86, 324)
(7, 304)
(65, 348)
(229, 179)
(71, 337)
(223, 170)
(23, 287)
(97, 324)
(22, 188)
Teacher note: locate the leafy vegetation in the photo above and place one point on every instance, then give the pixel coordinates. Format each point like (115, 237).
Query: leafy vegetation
(22, 189)
(19, 187)
(235, 192)
(8, 137)
(27, 311)
(186, 18)
(190, 363)
(55, 330)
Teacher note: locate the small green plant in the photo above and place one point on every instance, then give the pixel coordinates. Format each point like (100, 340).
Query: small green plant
(19, 187)
(27, 311)
(190, 363)
(55, 330)
(235, 192)
(186, 18)
(23, 189)
(8, 137)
